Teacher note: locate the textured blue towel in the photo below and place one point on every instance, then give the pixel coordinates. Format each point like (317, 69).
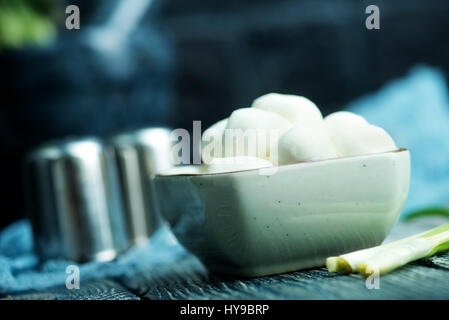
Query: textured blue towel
(414, 110)
(20, 269)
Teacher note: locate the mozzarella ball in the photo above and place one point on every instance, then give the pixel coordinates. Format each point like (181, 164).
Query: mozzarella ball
(218, 165)
(245, 129)
(359, 139)
(305, 143)
(296, 109)
(343, 118)
(249, 118)
(216, 128)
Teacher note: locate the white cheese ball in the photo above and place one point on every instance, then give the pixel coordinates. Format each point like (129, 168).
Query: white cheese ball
(358, 139)
(296, 109)
(251, 122)
(305, 143)
(216, 128)
(230, 164)
(343, 118)
(211, 140)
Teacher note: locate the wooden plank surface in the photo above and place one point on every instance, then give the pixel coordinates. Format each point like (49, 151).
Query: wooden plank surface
(423, 280)
(188, 279)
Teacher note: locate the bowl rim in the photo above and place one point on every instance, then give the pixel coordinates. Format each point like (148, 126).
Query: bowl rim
(160, 175)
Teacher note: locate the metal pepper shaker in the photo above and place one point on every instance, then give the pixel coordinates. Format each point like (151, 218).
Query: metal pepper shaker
(73, 201)
(138, 156)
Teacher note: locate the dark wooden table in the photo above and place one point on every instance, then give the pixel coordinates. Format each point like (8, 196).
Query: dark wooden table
(187, 279)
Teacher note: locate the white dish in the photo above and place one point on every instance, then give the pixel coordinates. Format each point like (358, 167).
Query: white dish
(248, 224)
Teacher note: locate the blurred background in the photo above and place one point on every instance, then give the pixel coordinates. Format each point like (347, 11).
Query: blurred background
(136, 63)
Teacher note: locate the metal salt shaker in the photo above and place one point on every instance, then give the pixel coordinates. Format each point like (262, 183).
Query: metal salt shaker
(73, 201)
(138, 156)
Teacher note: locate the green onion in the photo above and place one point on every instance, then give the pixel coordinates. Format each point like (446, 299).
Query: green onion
(385, 258)
(432, 211)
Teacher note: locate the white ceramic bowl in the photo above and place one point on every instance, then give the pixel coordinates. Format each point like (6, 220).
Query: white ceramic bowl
(249, 224)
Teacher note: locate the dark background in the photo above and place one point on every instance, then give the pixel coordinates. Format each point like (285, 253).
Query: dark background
(199, 60)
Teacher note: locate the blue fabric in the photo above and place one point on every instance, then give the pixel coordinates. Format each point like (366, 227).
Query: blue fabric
(20, 269)
(414, 110)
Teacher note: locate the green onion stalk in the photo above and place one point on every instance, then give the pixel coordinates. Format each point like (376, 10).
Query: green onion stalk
(385, 258)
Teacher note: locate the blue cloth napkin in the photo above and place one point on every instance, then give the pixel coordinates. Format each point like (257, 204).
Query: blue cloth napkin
(20, 269)
(414, 110)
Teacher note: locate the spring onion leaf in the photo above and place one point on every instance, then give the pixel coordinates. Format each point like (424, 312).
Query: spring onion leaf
(432, 211)
(385, 258)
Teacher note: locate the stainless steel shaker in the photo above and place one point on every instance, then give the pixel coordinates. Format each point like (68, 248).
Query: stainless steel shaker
(138, 156)
(73, 201)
